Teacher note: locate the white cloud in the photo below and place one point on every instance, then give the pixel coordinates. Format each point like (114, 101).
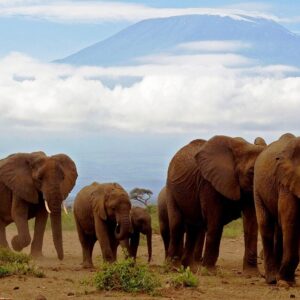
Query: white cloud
(169, 98)
(98, 11)
(214, 46)
(229, 59)
(252, 6)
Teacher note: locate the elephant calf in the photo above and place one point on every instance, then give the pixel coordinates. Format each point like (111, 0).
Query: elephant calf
(141, 223)
(102, 212)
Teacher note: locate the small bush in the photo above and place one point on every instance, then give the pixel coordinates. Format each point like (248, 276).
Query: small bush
(234, 229)
(4, 271)
(17, 264)
(7, 256)
(126, 276)
(185, 278)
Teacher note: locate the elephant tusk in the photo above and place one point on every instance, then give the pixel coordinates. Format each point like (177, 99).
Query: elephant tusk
(65, 209)
(47, 207)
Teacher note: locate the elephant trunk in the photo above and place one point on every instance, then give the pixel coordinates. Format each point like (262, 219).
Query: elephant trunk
(57, 233)
(123, 228)
(149, 244)
(54, 200)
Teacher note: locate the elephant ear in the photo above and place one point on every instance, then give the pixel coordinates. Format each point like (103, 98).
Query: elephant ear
(16, 174)
(260, 141)
(70, 173)
(288, 166)
(216, 162)
(98, 198)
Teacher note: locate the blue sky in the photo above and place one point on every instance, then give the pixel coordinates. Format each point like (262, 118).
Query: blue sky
(63, 108)
(48, 37)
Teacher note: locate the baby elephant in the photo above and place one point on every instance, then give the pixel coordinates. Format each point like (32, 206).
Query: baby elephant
(141, 223)
(102, 212)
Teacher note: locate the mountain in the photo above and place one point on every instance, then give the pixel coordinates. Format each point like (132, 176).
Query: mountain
(269, 42)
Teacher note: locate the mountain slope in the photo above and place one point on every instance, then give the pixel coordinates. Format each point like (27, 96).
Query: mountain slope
(269, 42)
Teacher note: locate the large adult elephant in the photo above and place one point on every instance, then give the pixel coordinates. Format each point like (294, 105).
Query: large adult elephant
(34, 185)
(277, 193)
(209, 184)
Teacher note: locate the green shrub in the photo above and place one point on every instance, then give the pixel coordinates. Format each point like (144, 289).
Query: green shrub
(7, 256)
(126, 276)
(185, 278)
(4, 271)
(234, 229)
(17, 264)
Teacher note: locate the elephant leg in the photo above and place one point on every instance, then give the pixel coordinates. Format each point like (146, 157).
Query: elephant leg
(199, 246)
(149, 243)
(176, 232)
(212, 210)
(39, 230)
(125, 247)
(134, 243)
(165, 234)
(3, 239)
(212, 245)
(114, 243)
(20, 217)
(190, 243)
(288, 213)
(278, 250)
(87, 245)
(266, 226)
(102, 233)
(250, 236)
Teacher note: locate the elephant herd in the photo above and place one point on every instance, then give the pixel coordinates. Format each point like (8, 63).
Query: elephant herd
(209, 183)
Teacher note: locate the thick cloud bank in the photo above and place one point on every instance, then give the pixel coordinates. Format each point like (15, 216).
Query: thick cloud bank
(200, 93)
(99, 11)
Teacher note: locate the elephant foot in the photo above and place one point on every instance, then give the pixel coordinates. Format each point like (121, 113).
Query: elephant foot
(36, 254)
(19, 242)
(5, 246)
(174, 263)
(15, 242)
(209, 270)
(285, 283)
(270, 278)
(87, 265)
(195, 268)
(251, 272)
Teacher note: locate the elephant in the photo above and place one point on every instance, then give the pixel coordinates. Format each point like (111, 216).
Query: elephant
(209, 184)
(34, 185)
(163, 219)
(102, 212)
(165, 230)
(260, 141)
(276, 195)
(141, 223)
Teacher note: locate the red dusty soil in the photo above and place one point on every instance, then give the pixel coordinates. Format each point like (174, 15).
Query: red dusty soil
(66, 279)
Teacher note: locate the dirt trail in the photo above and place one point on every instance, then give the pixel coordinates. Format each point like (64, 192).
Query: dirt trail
(66, 280)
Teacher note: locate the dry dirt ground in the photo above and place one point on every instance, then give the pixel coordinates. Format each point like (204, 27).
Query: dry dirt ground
(66, 280)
